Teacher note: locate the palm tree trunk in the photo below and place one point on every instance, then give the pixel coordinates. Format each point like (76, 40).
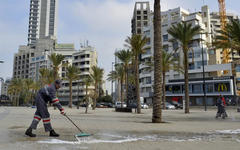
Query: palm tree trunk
(186, 81)
(86, 110)
(164, 91)
(157, 98)
(95, 98)
(119, 90)
(70, 90)
(121, 93)
(126, 84)
(137, 85)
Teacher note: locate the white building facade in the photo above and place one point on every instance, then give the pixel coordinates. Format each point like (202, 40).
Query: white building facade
(42, 19)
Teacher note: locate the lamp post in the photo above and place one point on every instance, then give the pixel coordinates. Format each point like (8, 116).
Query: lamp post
(78, 105)
(203, 70)
(112, 82)
(204, 87)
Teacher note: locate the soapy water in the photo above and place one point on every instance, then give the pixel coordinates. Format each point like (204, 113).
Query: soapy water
(117, 138)
(111, 138)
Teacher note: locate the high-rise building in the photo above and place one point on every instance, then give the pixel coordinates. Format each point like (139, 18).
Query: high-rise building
(140, 18)
(215, 28)
(200, 53)
(84, 59)
(42, 19)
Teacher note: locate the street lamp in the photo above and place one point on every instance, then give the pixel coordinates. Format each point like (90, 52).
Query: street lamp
(203, 70)
(112, 82)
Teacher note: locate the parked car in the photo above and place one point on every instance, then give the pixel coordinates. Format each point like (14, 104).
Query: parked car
(177, 105)
(118, 104)
(169, 106)
(132, 105)
(144, 106)
(109, 105)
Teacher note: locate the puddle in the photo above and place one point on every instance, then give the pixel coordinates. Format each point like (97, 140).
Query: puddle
(114, 138)
(237, 131)
(232, 135)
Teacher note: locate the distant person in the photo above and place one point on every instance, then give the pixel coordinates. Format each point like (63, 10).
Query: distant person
(221, 109)
(45, 95)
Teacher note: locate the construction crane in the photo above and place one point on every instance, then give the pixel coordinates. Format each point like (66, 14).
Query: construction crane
(223, 21)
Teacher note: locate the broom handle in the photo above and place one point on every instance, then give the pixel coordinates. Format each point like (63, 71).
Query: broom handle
(73, 123)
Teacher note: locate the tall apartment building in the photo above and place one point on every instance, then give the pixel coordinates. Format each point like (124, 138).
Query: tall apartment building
(174, 80)
(41, 59)
(84, 59)
(30, 59)
(215, 27)
(42, 19)
(140, 17)
(169, 18)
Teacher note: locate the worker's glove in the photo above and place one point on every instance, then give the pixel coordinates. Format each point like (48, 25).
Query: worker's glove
(62, 112)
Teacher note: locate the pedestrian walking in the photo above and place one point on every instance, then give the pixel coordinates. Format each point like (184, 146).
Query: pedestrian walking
(221, 103)
(45, 95)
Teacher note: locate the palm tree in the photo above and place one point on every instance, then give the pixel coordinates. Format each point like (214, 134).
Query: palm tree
(119, 73)
(44, 73)
(87, 81)
(157, 98)
(56, 60)
(15, 88)
(71, 75)
(168, 63)
(97, 76)
(125, 57)
(136, 43)
(28, 86)
(184, 33)
(230, 37)
(35, 88)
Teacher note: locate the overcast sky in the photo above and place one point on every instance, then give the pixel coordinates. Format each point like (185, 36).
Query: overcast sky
(104, 23)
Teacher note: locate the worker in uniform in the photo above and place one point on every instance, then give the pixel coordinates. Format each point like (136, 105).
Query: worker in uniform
(45, 95)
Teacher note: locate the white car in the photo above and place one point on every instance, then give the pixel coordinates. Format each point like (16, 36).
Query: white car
(169, 106)
(118, 104)
(144, 106)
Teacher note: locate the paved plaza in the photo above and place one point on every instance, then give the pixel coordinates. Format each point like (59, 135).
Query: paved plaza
(111, 130)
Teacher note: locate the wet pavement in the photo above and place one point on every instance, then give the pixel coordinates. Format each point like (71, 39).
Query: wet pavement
(198, 130)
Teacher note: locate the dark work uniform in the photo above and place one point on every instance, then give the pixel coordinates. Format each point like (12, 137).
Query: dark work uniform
(45, 95)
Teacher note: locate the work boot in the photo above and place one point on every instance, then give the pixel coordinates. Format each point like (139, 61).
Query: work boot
(29, 133)
(53, 134)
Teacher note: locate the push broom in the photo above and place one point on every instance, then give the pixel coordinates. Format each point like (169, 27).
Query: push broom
(81, 134)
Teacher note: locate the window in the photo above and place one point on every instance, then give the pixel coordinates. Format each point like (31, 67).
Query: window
(238, 68)
(205, 14)
(176, 89)
(191, 66)
(139, 31)
(209, 88)
(165, 37)
(165, 48)
(197, 88)
(138, 12)
(139, 24)
(145, 12)
(145, 18)
(148, 80)
(175, 45)
(145, 23)
(138, 17)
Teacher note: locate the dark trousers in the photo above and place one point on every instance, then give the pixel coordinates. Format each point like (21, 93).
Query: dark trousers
(41, 113)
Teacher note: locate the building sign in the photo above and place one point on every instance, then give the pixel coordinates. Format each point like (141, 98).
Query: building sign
(222, 87)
